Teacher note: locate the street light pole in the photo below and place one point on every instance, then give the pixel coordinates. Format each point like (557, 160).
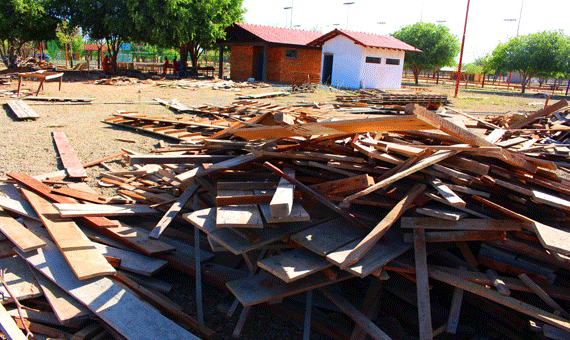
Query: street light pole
(348, 10)
(286, 16)
(461, 54)
(520, 17)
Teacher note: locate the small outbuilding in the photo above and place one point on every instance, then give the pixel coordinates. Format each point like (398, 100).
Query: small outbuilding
(270, 53)
(362, 60)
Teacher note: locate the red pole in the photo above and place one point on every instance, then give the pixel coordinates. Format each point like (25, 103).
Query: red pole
(461, 54)
(509, 83)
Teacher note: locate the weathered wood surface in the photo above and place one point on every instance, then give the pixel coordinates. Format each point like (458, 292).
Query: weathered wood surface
(22, 110)
(239, 216)
(282, 202)
(9, 327)
(294, 264)
(100, 210)
(464, 224)
(327, 236)
(68, 157)
(119, 308)
(20, 207)
(172, 212)
(297, 214)
(23, 238)
(19, 279)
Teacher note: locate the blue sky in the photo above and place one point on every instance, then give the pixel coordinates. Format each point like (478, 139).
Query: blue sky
(486, 24)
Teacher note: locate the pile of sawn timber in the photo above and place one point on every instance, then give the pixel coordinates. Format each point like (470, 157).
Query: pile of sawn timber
(356, 209)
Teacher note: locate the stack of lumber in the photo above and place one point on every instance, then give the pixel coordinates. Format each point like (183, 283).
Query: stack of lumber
(361, 210)
(379, 98)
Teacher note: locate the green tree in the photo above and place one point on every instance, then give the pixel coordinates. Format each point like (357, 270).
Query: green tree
(69, 39)
(439, 46)
(23, 21)
(188, 25)
(485, 66)
(531, 55)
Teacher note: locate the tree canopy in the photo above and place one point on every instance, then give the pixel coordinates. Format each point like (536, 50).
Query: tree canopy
(22, 21)
(541, 53)
(439, 46)
(189, 25)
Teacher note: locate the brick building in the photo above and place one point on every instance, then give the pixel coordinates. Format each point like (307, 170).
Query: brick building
(270, 53)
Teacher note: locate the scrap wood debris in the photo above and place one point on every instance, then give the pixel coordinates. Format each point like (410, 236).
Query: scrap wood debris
(316, 200)
(215, 84)
(121, 80)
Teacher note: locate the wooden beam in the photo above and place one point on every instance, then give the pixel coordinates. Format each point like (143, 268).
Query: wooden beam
(68, 157)
(172, 212)
(100, 210)
(540, 113)
(464, 224)
(422, 284)
(282, 202)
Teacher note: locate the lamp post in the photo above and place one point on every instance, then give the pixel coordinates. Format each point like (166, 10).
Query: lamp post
(348, 10)
(520, 17)
(461, 54)
(286, 16)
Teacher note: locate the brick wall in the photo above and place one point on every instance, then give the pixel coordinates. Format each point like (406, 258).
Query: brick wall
(241, 61)
(282, 69)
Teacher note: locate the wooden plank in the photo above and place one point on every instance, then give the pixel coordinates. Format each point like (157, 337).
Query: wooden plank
(345, 186)
(356, 316)
(540, 113)
(23, 238)
(445, 214)
(446, 192)
(459, 236)
(328, 236)
(81, 195)
(115, 305)
(99, 210)
(20, 207)
(542, 294)
(266, 287)
(294, 264)
(19, 279)
(282, 202)
(68, 157)
(9, 327)
(421, 164)
(454, 311)
(22, 110)
(342, 127)
(422, 284)
(66, 308)
(495, 135)
(238, 216)
(188, 176)
(6, 248)
(173, 211)
(382, 227)
(133, 262)
(550, 200)
(464, 224)
(205, 220)
(507, 301)
(297, 214)
(85, 262)
(180, 159)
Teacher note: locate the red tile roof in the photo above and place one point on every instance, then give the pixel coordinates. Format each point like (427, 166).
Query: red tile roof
(279, 35)
(366, 39)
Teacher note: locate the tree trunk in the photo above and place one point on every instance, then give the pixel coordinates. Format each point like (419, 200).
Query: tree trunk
(416, 72)
(71, 54)
(184, 55)
(483, 82)
(567, 87)
(523, 83)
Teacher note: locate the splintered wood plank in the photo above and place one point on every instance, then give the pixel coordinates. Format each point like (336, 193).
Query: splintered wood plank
(266, 287)
(22, 110)
(382, 227)
(65, 307)
(19, 279)
(71, 163)
(20, 207)
(173, 211)
(23, 238)
(205, 220)
(328, 236)
(464, 224)
(446, 192)
(380, 254)
(294, 265)
(551, 238)
(494, 296)
(419, 165)
(297, 214)
(116, 306)
(99, 210)
(239, 216)
(282, 202)
(342, 127)
(81, 255)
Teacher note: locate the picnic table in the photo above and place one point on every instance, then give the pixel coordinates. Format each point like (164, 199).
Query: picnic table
(42, 76)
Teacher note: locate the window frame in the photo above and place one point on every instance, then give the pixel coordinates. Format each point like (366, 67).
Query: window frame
(373, 60)
(393, 61)
(296, 54)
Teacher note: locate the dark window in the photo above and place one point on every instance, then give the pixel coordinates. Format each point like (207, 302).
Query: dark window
(373, 60)
(392, 61)
(291, 54)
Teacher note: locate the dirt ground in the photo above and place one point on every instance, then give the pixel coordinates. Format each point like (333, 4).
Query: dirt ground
(27, 146)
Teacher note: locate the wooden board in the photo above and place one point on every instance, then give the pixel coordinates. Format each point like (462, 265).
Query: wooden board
(205, 220)
(238, 216)
(294, 264)
(22, 238)
(369, 124)
(133, 262)
(9, 327)
(422, 284)
(20, 207)
(181, 159)
(22, 110)
(71, 163)
(464, 224)
(115, 305)
(98, 210)
(445, 214)
(65, 307)
(172, 212)
(297, 214)
(19, 279)
(551, 200)
(84, 259)
(446, 192)
(80, 194)
(187, 177)
(265, 287)
(328, 236)
(282, 202)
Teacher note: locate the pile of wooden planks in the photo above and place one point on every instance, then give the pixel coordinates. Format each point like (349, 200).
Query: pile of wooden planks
(371, 212)
(432, 101)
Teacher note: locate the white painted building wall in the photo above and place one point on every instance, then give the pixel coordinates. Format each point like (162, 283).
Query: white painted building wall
(351, 71)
